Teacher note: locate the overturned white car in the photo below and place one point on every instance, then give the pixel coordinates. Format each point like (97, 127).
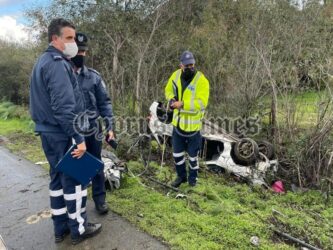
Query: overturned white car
(242, 157)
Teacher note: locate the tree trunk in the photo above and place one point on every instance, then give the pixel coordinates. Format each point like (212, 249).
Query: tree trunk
(142, 55)
(138, 86)
(114, 74)
(273, 113)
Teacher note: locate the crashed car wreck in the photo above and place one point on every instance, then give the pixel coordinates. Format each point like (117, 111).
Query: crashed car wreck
(242, 157)
(113, 169)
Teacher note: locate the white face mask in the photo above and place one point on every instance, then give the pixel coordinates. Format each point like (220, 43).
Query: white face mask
(71, 49)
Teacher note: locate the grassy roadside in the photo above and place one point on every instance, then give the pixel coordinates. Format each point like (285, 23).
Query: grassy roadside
(217, 214)
(21, 139)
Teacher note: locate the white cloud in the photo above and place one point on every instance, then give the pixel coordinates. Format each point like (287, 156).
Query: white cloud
(10, 2)
(12, 31)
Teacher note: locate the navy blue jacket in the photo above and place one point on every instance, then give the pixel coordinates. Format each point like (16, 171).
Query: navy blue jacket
(55, 96)
(96, 98)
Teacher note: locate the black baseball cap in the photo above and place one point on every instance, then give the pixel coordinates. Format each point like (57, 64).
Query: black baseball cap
(81, 40)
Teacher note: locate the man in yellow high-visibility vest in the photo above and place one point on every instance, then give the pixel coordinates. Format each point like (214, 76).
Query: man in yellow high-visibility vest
(187, 92)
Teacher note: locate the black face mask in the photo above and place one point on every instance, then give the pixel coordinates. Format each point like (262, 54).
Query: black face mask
(78, 61)
(188, 73)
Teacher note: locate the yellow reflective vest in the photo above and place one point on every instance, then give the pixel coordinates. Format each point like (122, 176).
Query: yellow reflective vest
(195, 100)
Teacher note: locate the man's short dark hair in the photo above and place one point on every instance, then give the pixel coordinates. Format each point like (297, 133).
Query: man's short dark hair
(55, 27)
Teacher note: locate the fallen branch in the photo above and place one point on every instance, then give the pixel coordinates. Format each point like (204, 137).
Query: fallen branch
(279, 213)
(302, 243)
(161, 183)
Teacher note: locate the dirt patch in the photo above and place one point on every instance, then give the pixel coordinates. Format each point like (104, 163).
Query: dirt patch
(3, 140)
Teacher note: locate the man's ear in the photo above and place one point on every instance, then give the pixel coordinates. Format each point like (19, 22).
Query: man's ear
(54, 38)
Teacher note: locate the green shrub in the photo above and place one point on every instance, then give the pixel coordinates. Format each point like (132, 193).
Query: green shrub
(8, 110)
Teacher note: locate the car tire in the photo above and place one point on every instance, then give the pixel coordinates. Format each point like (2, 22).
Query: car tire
(267, 149)
(246, 151)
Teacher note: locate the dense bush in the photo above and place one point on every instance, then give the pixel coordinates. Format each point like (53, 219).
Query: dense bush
(15, 67)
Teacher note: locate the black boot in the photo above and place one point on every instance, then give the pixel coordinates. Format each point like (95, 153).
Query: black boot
(179, 180)
(102, 208)
(91, 230)
(192, 178)
(60, 238)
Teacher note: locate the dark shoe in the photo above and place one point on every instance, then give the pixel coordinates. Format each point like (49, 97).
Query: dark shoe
(178, 182)
(60, 238)
(92, 229)
(102, 208)
(192, 183)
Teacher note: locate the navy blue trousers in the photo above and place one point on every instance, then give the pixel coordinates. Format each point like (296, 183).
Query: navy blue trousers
(67, 196)
(190, 143)
(94, 146)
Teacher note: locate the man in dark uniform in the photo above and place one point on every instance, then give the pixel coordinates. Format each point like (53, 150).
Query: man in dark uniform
(97, 104)
(55, 101)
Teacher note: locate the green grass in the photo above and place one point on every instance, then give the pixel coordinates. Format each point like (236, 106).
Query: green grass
(10, 126)
(22, 139)
(222, 214)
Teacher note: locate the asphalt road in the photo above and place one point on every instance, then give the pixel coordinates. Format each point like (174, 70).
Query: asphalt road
(25, 221)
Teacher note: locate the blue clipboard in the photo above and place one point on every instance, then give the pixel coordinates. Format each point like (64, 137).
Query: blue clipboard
(83, 169)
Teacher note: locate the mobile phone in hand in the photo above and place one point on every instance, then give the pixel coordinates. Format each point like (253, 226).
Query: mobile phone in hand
(113, 143)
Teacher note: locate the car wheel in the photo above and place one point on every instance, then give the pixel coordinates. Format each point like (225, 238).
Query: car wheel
(267, 149)
(246, 151)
